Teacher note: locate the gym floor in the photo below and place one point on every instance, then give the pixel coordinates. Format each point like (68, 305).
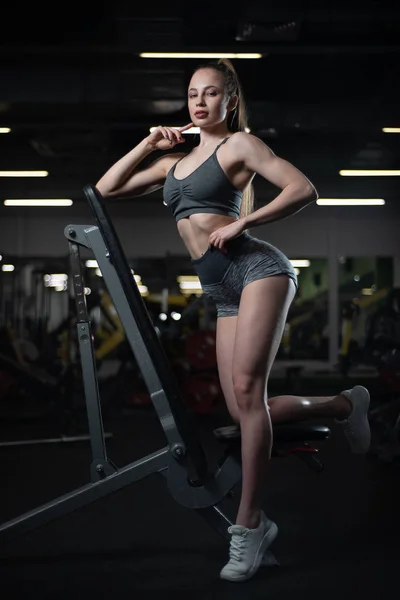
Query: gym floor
(339, 529)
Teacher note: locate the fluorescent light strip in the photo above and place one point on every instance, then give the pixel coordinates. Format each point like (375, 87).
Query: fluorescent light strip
(7, 268)
(190, 285)
(59, 281)
(350, 201)
(200, 55)
(391, 129)
(368, 172)
(39, 202)
(191, 130)
(5, 129)
(182, 278)
(55, 276)
(137, 278)
(300, 262)
(24, 173)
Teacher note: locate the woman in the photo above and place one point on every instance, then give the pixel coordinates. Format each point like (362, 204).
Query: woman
(252, 283)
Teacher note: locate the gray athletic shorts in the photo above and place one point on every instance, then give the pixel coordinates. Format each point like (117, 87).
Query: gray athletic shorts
(223, 276)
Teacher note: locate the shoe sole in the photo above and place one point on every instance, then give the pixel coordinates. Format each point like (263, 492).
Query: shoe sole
(267, 540)
(359, 389)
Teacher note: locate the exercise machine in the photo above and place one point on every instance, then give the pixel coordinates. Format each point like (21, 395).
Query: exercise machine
(189, 477)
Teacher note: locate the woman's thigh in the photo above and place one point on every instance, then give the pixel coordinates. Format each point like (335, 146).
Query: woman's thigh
(263, 310)
(225, 342)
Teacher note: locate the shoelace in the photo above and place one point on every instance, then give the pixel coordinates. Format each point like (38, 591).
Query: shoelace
(236, 547)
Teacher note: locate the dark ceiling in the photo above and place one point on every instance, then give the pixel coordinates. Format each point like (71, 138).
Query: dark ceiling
(77, 95)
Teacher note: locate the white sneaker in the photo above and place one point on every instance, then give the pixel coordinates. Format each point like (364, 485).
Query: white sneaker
(356, 426)
(246, 549)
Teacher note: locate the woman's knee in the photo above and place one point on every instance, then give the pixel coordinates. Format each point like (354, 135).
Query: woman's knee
(231, 402)
(249, 390)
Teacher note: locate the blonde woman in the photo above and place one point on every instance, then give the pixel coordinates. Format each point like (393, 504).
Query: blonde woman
(210, 195)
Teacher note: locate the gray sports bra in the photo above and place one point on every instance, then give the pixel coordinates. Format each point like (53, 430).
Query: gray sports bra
(206, 190)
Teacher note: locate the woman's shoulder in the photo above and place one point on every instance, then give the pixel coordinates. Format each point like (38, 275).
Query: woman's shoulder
(245, 144)
(244, 141)
(244, 137)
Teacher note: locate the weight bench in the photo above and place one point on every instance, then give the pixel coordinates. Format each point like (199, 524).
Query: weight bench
(288, 439)
(182, 462)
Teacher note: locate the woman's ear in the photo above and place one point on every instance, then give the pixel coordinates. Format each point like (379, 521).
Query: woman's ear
(233, 102)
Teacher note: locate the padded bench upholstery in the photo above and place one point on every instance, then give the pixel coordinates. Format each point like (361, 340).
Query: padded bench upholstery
(291, 432)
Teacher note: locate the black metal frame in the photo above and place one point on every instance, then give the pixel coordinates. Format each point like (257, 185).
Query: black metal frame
(182, 461)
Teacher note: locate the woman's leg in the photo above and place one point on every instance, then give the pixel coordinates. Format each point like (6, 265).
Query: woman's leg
(260, 323)
(225, 342)
(282, 409)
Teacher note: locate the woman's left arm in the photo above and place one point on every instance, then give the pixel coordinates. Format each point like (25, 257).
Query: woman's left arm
(297, 190)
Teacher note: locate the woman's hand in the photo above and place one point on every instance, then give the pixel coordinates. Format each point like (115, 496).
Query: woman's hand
(219, 237)
(166, 138)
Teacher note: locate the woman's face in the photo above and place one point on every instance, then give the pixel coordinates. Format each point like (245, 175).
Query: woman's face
(207, 100)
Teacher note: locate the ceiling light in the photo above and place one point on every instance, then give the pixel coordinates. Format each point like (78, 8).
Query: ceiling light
(91, 264)
(5, 129)
(368, 172)
(192, 130)
(58, 276)
(200, 55)
(56, 280)
(38, 202)
(181, 278)
(391, 129)
(350, 201)
(190, 285)
(7, 268)
(24, 173)
(300, 262)
(143, 289)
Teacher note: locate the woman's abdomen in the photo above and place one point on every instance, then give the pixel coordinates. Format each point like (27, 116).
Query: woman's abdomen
(196, 229)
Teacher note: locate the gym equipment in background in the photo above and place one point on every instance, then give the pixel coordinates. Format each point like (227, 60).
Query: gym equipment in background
(190, 478)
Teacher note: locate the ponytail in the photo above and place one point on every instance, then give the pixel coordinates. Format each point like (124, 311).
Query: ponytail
(238, 121)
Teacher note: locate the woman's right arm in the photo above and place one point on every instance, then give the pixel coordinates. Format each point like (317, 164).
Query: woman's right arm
(122, 180)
